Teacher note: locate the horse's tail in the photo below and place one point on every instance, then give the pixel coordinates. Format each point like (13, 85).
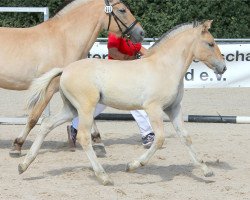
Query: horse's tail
(40, 85)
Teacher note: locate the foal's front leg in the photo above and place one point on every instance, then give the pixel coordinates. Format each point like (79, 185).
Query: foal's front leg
(84, 138)
(175, 116)
(156, 119)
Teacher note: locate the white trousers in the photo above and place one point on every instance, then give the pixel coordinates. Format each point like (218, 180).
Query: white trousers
(140, 117)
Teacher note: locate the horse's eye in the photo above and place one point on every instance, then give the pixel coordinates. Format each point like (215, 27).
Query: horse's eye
(123, 10)
(211, 44)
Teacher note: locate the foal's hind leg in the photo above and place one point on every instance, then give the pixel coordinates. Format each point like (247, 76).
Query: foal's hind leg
(33, 117)
(156, 119)
(175, 115)
(66, 114)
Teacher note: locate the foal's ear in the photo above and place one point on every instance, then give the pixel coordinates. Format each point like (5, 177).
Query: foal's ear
(206, 25)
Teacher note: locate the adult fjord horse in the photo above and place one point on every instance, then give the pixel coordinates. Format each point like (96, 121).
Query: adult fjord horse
(27, 53)
(153, 83)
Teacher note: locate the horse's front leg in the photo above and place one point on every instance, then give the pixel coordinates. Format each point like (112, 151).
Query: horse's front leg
(156, 120)
(32, 119)
(175, 116)
(97, 143)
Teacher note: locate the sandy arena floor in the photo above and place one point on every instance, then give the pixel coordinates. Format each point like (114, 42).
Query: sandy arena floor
(59, 174)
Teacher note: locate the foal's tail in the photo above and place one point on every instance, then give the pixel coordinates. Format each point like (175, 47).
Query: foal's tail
(40, 85)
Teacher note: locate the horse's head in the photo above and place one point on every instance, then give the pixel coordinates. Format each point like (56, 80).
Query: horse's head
(122, 22)
(207, 51)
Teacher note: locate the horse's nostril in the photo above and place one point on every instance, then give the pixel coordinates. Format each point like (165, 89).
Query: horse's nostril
(142, 33)
(224, 69)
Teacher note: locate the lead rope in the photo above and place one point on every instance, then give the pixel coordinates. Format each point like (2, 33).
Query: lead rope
(137, 54)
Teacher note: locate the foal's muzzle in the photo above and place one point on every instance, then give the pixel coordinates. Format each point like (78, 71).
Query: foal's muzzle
(219, 69)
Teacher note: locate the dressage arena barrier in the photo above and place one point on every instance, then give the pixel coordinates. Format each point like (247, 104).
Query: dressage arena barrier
(235, 51)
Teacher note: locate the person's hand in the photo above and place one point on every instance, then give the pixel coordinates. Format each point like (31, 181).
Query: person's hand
(127, 57)
(138, 56)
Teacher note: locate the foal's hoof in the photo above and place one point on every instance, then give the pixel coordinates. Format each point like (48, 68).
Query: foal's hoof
(208, 173)
(104, 179)
(99, 149)
(21, 168)
(15, 153)
(132, 166)
(108, 182)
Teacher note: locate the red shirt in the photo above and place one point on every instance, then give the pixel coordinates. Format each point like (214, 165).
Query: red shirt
(123, 45)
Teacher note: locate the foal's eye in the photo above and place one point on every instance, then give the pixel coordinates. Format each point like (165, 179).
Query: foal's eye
(211, 44)
(123, 10)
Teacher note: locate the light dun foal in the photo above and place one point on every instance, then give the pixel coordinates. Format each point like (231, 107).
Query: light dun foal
(154, 84)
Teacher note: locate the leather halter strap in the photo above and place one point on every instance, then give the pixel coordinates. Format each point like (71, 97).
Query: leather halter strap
(118, 21)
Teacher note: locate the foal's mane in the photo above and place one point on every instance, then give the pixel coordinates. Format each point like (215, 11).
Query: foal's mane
(69, 5)
(173, 32)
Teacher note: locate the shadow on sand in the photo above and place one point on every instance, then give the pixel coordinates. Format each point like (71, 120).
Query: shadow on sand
(166, 173)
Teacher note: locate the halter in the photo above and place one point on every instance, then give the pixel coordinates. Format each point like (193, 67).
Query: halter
(109, 10)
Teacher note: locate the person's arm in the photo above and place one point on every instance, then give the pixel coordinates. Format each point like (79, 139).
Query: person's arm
(113, 49)
(117, 55)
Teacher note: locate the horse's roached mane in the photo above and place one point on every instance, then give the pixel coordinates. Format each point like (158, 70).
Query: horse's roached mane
(63, 5)
(69, 5)
(174, 31)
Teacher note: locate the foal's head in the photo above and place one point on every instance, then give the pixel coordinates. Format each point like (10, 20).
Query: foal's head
(122, 22)
(207, 51)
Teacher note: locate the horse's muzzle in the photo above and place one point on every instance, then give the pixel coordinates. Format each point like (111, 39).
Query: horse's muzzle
(137, 34)
(219, 67)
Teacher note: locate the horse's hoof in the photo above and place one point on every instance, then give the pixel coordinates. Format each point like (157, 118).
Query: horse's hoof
(131, 167)
(99, 149)
(208, 173)
(15, 153)
(104, 179)
(108, 182)
(127, 169)
(16, 148)
(21, 168)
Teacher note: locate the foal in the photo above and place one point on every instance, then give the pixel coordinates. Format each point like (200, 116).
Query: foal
(154, 84)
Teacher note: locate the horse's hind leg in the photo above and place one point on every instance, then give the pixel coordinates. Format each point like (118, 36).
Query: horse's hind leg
(66, 114)
(84, 138)
(32, 119)
(97, 143)
(156, 119)
(175, 115)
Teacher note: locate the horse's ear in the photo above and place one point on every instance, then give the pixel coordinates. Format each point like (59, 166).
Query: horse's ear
(206, 25)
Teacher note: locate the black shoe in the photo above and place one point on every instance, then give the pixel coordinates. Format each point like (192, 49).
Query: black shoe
(148, 140)
(72, 132)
